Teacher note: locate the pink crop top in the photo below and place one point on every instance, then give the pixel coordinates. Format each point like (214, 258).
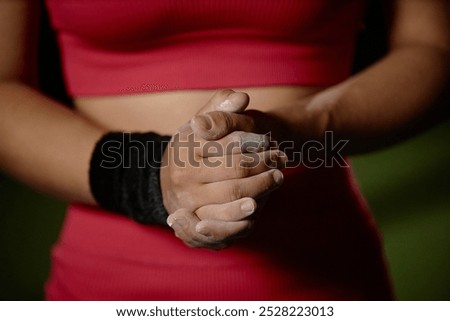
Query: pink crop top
(114, 47)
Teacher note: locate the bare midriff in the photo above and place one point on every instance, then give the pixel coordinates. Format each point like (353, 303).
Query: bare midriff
(165, 112)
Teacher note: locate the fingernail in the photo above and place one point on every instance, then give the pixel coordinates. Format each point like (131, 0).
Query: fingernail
(248, 207)
(234, 102)
(171, 220)
(278, 177)
(226, 105)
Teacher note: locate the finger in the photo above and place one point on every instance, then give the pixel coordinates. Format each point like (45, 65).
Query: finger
(220, 230)
(233, 211)
(234, 143)
(226, 100)
(184, 222)
(254, 186)
(216, 124)
(215, 169)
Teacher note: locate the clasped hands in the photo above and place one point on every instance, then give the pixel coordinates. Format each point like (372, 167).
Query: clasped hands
(217, 172)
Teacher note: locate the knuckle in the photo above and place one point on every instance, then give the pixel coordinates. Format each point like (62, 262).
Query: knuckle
(202, 212)
(236, 136)
(268, 180)
(240, 170)
(250, 161)
(235, 191)
(222, 122)
(228, 119)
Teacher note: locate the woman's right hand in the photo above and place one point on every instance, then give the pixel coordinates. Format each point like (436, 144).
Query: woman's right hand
(210, 186)
(196, 172)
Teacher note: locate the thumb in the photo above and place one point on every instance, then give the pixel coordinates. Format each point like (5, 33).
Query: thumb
(226, 100)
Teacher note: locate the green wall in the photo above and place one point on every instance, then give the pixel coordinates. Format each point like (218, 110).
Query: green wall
(407, 187)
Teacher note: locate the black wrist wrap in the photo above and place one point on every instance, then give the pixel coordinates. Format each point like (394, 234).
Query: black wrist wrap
(124, 175)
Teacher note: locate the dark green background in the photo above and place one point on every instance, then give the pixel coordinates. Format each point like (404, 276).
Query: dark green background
(407, 187)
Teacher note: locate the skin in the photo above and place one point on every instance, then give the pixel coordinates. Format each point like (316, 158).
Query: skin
(48, 146)
(371, 109)
(395, 98)
(217, 225)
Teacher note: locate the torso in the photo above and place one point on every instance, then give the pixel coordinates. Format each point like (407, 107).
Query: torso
(165, 112)
(330, 247)
(136, 65)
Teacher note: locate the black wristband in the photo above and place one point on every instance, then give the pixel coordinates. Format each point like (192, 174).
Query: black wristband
(124, 175)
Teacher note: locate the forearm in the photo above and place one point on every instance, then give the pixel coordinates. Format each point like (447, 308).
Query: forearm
(44, 144)
(393, 99)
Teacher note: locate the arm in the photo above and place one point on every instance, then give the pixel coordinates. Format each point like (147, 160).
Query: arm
(395, 98)
(49, 147)
(42, 143)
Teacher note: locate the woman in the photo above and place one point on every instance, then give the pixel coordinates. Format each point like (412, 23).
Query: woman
(315, 238)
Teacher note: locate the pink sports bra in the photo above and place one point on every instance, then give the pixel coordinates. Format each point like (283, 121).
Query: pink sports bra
(114, 47)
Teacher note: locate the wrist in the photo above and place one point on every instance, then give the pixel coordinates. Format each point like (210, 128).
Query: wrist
(304, 120)
(124, 175)
(269, 124)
